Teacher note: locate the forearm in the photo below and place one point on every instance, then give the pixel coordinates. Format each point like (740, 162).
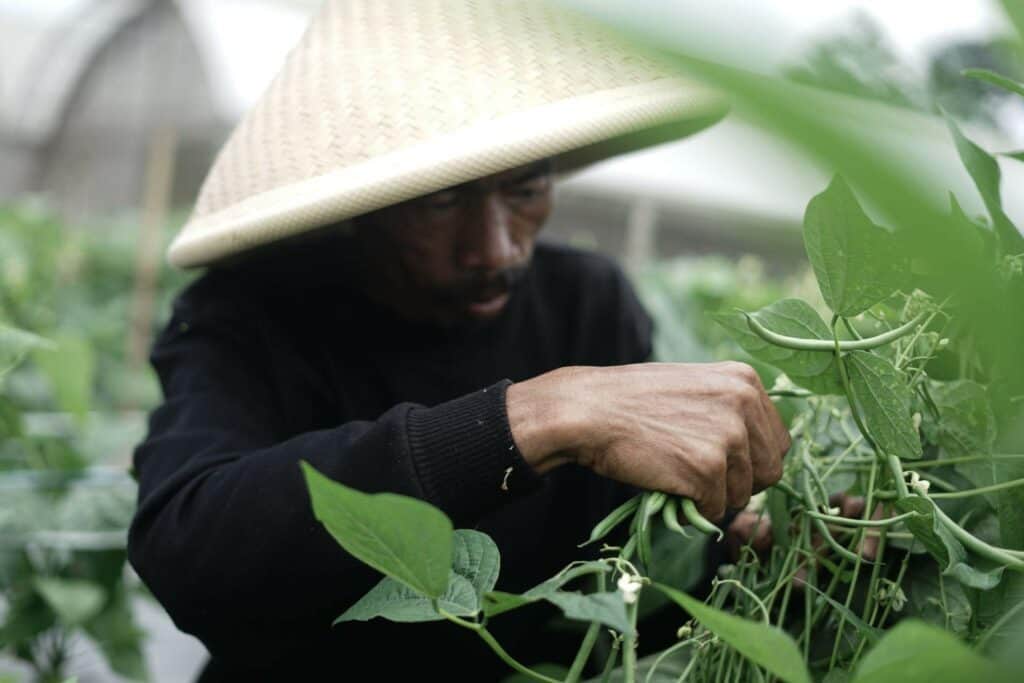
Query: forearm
(226, 538)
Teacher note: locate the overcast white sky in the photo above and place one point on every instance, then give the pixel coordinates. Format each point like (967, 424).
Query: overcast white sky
(246, 40)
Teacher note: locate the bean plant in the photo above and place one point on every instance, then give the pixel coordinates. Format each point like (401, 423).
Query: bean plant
(892, 409)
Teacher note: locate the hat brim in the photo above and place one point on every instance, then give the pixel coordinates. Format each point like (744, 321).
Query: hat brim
(579, 131)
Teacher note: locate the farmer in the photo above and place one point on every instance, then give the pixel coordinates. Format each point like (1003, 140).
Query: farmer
(377, 304)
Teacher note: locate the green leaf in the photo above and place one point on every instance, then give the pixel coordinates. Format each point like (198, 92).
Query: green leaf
(793, 318)
(1019, 156)
(118, 637)
(995, 79)
(407, 539)
(914, 652)
(884, 401)
(967, 425)
(764, 645)
(984, 171)
(73, 601)
(70, 369)
(605, 608)
(855, 261)
(497, 602)
(475, 566)
(944, 547)
(15, 344)
(397, 602)
(938, 602)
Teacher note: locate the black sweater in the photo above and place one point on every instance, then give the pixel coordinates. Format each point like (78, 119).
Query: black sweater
(262, 367)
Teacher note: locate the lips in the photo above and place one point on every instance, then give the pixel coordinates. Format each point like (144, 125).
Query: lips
(487, 305)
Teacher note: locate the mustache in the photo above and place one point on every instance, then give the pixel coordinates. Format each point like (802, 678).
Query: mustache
(478, 285)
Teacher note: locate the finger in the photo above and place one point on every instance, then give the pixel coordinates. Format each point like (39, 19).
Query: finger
(739, 477)
(710, 497)
(768, 445)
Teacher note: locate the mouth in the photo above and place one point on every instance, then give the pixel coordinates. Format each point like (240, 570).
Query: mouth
(487, 304)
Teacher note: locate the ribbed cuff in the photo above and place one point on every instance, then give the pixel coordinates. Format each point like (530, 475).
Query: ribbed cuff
(465, 456)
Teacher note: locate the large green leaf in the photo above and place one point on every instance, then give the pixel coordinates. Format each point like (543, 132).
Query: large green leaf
(792, 318)
(764, 645)
(70, 369)
(854, 260)
(914, 652)
(72, 600)
(407, 539)
(475, 566)
(884, 401)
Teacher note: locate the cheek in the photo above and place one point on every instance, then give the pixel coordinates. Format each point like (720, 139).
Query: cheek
(426, 258)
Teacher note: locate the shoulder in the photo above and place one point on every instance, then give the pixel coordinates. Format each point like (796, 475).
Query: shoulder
(609, 322)
(586, 273)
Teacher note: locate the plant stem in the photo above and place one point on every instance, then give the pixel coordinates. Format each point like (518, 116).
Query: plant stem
(868, 504)
(847, 521)
(629, 646)
(486, 636)
(657, 662)
(1013, 559)
(576, 670)
(1013, 483)
(968, 459)
(609, 664)
(801, 344)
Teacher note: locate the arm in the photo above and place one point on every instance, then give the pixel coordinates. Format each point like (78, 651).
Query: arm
(224, 534)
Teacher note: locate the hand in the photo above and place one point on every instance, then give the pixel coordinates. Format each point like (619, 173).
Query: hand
(706, 431)
(756, 529)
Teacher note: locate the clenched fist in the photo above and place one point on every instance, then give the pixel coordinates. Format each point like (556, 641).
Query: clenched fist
(707, 431)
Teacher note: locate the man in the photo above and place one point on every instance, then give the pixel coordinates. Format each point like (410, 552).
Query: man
(419, 340)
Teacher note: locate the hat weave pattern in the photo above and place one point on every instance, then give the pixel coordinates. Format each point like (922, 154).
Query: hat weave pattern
(385, 100)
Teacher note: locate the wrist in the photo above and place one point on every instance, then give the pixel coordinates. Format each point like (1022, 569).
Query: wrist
(545, 419)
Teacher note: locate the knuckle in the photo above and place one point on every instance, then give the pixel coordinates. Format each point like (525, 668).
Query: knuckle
(744, 372)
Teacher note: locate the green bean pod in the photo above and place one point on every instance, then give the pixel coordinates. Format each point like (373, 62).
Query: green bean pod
(614, 518)
(651, 505)
(670, 516)
(801, 344)
(698, 521)
(628, 549)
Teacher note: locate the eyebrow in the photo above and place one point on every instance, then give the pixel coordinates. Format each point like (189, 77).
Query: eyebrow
(534, 170)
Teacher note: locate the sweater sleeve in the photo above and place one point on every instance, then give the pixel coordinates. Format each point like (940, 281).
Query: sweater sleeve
(224, 534)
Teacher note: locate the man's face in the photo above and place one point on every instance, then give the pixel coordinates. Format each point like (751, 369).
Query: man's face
(454, 256)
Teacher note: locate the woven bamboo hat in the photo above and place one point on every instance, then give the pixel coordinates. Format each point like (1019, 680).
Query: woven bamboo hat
(386, 100)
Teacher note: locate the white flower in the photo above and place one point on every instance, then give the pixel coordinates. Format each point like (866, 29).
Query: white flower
(629, 586)
(917, 483)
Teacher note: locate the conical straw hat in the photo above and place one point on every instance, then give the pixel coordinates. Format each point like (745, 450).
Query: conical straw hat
(386, 100)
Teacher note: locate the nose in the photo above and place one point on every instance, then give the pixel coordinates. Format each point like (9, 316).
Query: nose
(486, 241)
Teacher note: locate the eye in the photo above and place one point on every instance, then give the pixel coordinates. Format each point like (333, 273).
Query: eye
(534, 188)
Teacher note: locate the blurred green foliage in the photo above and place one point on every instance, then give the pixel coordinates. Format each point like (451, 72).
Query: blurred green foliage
(71, 404)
